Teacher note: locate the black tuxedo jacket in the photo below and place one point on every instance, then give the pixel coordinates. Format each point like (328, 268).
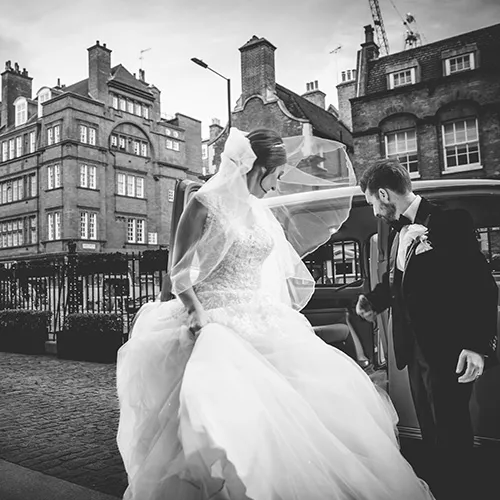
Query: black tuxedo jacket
(446, 299)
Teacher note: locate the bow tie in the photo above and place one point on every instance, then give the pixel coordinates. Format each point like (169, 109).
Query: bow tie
(400, 223)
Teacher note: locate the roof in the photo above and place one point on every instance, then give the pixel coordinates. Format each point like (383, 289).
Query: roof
(429, 57)
(324, 123)
(119, 75)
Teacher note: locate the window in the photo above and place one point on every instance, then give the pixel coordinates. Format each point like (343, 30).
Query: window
(19, 146)
(54, 226)
(170, 195)
(18, 232)
(120, 183)
(144, 149)
(43, 95)
(137, 148)
(135, 230)
(335, 263)
(12, 149)
(137, 108)
(88, 225)
(115, 101)
(54, 176)
(204, 152)
(88, 135)
(123, 142)
(123, 104)
(130, 106)
(5, 151)
(176, 146)
(403, 146)
(402, 78)
(21, 106)
(53, 135)
(152, 238)
(458, 64)
(88, 176)
(130, 185)
(114, 141)
(145, 112)
(461, 144)
(32, 142)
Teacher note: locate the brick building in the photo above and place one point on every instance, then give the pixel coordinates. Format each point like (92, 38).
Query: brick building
(266, 103)
(91, 162)
(435, 107)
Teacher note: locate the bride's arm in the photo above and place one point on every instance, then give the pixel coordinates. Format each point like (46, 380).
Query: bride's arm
(189, 231)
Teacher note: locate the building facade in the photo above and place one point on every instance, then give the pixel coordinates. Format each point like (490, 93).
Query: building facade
(265, 103)
(93, 162)
(435, 107)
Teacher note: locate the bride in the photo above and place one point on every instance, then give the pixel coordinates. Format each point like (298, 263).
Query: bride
(225, 391)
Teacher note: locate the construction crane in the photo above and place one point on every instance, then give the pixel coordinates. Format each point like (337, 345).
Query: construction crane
(412, 36)
(382, 41)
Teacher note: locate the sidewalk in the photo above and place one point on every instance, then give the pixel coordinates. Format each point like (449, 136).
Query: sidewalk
(19, 483)
(59, 418)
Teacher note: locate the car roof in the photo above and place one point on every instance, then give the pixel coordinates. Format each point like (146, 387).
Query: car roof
(428, 186)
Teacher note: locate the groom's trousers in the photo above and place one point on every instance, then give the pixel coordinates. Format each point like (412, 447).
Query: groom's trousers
(442, 407)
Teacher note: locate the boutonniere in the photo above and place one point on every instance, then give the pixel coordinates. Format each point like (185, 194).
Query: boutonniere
(417, 233)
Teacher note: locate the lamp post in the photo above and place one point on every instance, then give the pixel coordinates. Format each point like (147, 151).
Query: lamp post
(203, 64)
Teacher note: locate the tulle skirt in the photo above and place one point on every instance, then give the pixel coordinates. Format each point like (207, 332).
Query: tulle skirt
(257, 408)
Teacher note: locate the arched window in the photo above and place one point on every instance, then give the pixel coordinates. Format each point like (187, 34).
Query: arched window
(21, 106)
(44, 94)
(400, 141)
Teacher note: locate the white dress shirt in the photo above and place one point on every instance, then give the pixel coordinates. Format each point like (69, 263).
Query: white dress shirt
(411, 213)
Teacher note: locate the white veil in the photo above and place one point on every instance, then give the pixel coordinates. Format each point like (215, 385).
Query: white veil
(296, 227)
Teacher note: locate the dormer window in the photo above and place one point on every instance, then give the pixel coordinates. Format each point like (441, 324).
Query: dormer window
(21, 106)
(44, 95)
(402, 78)
(464, 62)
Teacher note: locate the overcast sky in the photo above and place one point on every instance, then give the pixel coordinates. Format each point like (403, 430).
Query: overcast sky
(50, 39)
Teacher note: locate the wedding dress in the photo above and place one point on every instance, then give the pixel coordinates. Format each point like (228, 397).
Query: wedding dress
(258, 407)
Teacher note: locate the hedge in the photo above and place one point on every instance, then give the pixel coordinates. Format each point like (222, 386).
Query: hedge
(90, 337)
(24, 331)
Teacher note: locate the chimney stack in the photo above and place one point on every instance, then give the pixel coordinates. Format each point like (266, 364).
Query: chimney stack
(99, 71)
(14, 84)
(215, 129)
(370, 47)
(257, 68)
(346, 90)
(142, 75)
(314, 95)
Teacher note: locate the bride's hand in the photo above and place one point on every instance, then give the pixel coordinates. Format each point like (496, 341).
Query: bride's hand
(197, 320)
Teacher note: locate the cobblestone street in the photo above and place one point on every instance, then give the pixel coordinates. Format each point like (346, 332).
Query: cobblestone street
(60, 417)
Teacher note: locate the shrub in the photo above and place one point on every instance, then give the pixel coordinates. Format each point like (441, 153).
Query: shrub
(90, 337)
(24, 331)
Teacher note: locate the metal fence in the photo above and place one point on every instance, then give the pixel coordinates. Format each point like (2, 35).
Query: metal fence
(72, 283)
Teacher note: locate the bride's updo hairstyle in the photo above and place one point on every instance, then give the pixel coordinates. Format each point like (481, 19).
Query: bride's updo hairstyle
(268, 148)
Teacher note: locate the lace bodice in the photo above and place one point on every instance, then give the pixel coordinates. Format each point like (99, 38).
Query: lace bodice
(237, 277)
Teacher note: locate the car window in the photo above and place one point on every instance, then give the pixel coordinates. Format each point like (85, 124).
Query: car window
(335, 263)
(489, 239)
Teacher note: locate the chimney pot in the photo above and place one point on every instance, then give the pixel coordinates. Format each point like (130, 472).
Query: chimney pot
(369, 33)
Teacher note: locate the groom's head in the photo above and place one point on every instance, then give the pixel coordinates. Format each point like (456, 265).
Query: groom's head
(387, 187)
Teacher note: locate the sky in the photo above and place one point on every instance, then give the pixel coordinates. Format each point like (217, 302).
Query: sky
(49, 38)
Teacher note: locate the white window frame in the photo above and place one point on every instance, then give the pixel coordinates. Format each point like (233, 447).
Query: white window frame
(54, 176)
(32, 142)
(50, 136)
(130, 106)
(57, 134)
(84, 182)
(114, 141)
(92, 136)
(19, 146)
(153, 238)
(176, 146)
(54, 226)
(139, 187)
(88, 225)
(5, 151)
(392, 76)
(44, 95)
(121, 184)
(131, 186)
(136, 230)
(144, 149)
(84, 134)
(114, 101)
(448, 63)
(92, 176)
(406, 153)
(21, 111)
(12, 149)
(467, 143)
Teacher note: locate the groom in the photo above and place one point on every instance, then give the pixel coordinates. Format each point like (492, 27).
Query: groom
(443, 301)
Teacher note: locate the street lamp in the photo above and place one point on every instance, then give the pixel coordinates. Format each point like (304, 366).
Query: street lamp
(203, 64)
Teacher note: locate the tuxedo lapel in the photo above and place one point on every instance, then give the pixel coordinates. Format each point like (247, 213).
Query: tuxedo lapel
(424, 213)
(392, 259)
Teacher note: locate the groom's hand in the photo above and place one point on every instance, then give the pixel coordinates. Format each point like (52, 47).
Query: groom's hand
(473, 364)
(364, 309)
